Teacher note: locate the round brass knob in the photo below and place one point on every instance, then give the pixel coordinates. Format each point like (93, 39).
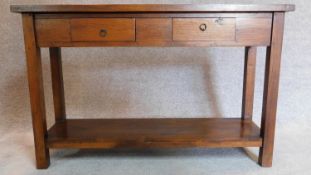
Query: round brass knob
(203, 27)
(103, 32)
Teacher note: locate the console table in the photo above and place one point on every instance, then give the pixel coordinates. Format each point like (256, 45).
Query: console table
(203, 25)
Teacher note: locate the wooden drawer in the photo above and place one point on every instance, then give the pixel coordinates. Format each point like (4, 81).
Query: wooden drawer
(103, 29)
(204, 29)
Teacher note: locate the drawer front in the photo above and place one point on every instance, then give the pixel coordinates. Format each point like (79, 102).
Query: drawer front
(103, 29)
(204, 29)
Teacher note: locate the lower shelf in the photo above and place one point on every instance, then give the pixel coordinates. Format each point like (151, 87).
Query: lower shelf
(164, 132)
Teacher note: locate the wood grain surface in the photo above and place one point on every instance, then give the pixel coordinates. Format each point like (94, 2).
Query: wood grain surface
(166, 132)
(154, 8)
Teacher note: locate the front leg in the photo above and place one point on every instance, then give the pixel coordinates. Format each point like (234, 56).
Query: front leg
(270, 95)
(36, 91)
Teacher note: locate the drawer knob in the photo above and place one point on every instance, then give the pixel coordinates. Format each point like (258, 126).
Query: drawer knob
(103, 32)
(203, 27)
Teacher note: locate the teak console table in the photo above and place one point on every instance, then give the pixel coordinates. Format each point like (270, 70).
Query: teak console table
(56, 26)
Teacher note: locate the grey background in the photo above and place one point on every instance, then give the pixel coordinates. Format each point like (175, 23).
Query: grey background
(156, 82)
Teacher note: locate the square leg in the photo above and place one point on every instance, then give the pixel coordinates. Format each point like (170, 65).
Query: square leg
(57, 84)
(271, 84)
(249, 83)
(36, 91)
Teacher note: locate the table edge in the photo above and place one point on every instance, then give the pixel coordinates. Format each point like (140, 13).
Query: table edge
(145, 8)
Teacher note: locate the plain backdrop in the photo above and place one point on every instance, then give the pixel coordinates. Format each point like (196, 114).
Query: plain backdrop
(156, 82)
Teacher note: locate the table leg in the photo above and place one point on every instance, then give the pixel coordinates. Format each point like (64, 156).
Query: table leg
(249, 82)
(57, 84)
(270, 95)
(36, 91)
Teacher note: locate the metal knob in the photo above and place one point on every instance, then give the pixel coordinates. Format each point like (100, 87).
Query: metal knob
(203, 27)
(103, 32)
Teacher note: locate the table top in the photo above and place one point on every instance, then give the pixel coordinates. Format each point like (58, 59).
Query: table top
(123, 8)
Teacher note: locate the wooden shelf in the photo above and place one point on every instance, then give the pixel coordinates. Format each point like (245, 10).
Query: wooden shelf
(164, 132)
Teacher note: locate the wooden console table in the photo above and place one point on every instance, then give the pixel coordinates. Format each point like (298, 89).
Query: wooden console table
(57, 26)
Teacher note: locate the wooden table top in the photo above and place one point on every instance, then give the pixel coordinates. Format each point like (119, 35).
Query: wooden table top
(153, 8)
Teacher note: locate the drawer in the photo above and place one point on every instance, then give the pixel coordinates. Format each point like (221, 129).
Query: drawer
(103, 29)
(204, 29)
